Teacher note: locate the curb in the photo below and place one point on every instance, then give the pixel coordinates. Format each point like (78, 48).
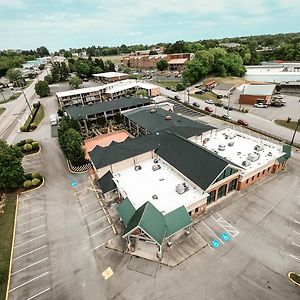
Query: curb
(25, 192)
(289, 276)
(12, 248)
(82, 172)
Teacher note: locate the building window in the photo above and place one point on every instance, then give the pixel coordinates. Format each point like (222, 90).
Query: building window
(197, 209)
(222, 191)
(264, 171)
(258, 174)
(252, 178)
(268, 169)
(211, 197)
(232, 185)
(247, 180)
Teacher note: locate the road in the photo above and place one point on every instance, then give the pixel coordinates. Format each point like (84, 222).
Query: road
(253, 120)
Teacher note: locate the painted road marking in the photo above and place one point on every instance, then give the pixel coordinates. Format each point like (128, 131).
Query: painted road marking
(29, 281)
(215, 244)
(29, 213)
(295, 244)
(107, 273)
(31, 204)
(213, 232)
(95, 221)
(31, 230)
(226, 225)
(296, 232)
(73, 183)
(91, 212)
(37, 249)
(89, 204)
(31, 265)
(98, 246)
(31, 240)
(99, 231)
(30, 220)
(295, 257)
(40, 293)
(225, 236)
(296, 221)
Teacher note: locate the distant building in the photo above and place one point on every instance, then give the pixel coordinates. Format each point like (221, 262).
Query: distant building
(257, 93)
(229, 45)
(224, 89)
(109, 77)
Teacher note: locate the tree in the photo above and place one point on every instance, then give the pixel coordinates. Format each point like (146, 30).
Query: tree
(42, 88)
(11, 170)
(162, 65)
(42, 66)
(14, 75)
(82, 69)
(42, 51)
(75, 82)
(194, 71)
(49, 79)
(60, 71)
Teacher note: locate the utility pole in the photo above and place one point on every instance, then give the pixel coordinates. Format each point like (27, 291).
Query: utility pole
(27, 103)
(298, 122)
(228, 104)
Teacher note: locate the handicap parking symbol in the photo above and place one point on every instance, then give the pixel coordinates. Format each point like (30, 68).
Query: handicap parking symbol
(73, 183)
(225, 237)
(215, 244)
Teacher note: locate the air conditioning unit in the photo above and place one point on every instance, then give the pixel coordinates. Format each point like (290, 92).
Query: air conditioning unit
(270, 154)
(181, 188)
(154, 197)
(137, 168)
(155, 160)
(259, 147)
(246, 163)
(253, 157)
(156, 167)
(221, 147)
(230, 144)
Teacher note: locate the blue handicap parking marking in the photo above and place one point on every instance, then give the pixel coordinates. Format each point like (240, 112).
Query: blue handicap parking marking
(215, 244)
(73, 183)
(225, 237)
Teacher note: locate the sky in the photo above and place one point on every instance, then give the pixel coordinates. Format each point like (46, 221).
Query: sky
(64, 24)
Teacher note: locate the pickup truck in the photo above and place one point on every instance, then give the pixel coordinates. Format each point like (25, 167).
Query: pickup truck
(53, 119)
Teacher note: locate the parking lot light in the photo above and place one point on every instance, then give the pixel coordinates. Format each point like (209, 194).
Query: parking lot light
(292, 141)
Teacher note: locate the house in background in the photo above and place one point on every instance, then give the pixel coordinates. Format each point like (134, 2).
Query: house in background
(257, 93)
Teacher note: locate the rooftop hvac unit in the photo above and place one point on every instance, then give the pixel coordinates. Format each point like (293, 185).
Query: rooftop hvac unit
(153, 110)
(155, 160)
(156, 167)
(259, 147)
(167, 117)
(221, 147)
(230, 144)
(181, 188)
(137, 168)
(253, 157)
(154, 197)
(270, 154)
(246, 163)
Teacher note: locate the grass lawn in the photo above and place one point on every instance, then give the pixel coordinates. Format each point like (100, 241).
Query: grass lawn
(14, 96)
(2, 110)
(167, 83)
(28, 83)
(116, 59)
(206, 96)
(229, 80)
(38, 117)
(292, 124)
(6, 235)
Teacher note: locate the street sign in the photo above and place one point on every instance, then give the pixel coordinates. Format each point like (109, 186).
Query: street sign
(215, 244)
(73, 183)
(225, 237)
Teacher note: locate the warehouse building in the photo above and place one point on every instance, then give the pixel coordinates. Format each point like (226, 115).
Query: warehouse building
(109, 77)
(257, 93)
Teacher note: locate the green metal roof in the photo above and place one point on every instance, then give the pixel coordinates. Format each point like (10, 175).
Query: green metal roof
(126, 210)
(282, 159)
(150, 220)
(176, 220)
(287, 149)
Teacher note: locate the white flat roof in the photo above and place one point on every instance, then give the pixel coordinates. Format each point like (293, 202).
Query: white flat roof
(110, 74)
(140, 186)
(81, 91)
(259, 89)
(241, 146)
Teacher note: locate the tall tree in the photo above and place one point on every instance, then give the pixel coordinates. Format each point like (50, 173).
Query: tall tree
(75, 82)
(42, 51)
(162, 65)
(42, 88)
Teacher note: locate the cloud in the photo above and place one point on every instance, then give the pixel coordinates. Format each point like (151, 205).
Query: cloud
(14, 4)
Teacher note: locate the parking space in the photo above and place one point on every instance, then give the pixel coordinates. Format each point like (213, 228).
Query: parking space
(98, 223)
(181, 109)
(216, 231)
(32, 163)
(30, 275)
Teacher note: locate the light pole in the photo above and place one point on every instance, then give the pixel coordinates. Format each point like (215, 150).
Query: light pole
(228, 104)
(292, 141)
(27, 103)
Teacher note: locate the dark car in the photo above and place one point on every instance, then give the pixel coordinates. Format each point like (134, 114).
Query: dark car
(199, 92)
(177, 98)
(228, 107)
(196, 104)
(220, 104)
(208, 109)
(242, 122)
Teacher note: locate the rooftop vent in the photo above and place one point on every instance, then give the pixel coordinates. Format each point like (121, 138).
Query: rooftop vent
(230, 144)
(181, 188)
(270, 154)
(153, 110)
(168, 117)
(155, 160)
(154, 197)
(259, 147)
(253, 157)
(246, 163)
(137, 168)
(221, 147)
(156, 167)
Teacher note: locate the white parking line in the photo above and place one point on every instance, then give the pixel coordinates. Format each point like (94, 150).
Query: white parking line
(99, 232)
(37, 249)
(29, 213)
(31, 240)
(85, 198)
(32, 197)
(31, 280)
(295, 257)
(213, 233)
(89, 204)
(40, 293)
(95, 221)
(296, 232)
(295, 244)
(31, 163)
(31, 265)
(31, 204)
(98, 246)
(91, 213)
(31, 220)
(296, 221)
(31, 230)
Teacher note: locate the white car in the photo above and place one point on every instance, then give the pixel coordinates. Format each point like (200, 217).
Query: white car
(226, 117)
(260, 105)
(209, 101)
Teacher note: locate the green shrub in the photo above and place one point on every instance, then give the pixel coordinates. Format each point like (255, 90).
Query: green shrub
(28, 141)
(35, 105)
(33, 126)
(35, 181)
(36, 175)
(27, 147)
(23, 128)
(28, 176)
(35, 145)
(27, 184)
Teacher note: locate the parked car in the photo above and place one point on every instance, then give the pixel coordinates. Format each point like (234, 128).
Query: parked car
(228, 107)
(226, 117)
(209, 101)
(199, 92)
(277, 103)
(196, 104)
(208, 109)
(177, 98)
(242, 122)
(220, 104)
(260, 105)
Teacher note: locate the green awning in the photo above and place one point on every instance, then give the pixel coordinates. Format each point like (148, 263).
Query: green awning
(287, 149)
(126, 210)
